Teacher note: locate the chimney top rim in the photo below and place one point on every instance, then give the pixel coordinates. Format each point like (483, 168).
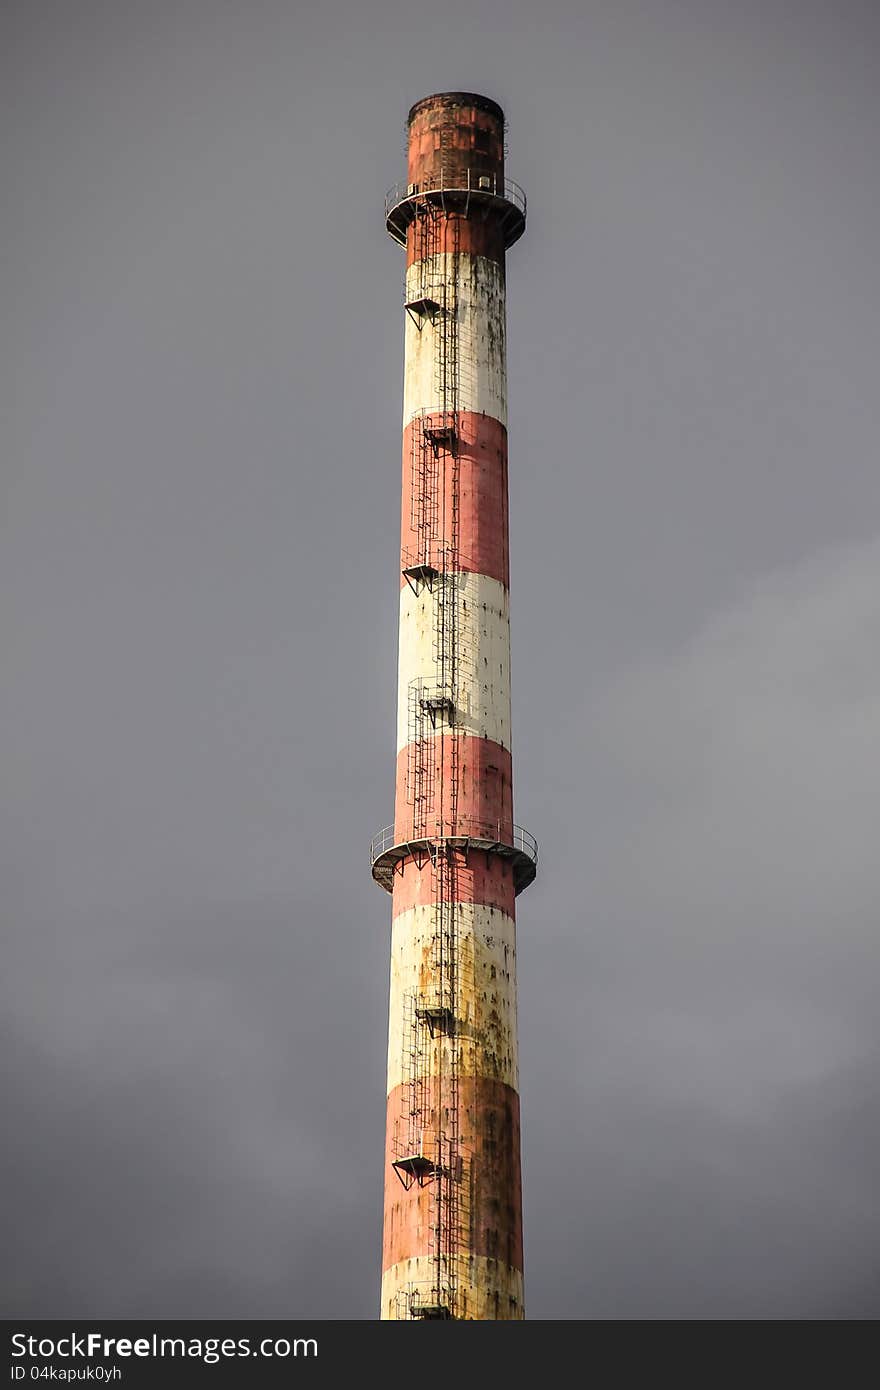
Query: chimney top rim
(457, 99)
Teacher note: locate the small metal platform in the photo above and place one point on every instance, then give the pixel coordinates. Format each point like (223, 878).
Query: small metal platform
(420, 574)
(420, 309)
(439, 1018)
(438, 704)
(415, 1168)
(386, 853)
(436, 1311)
(442, 437)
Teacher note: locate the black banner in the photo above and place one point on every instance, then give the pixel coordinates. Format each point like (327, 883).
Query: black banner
(132, 1355)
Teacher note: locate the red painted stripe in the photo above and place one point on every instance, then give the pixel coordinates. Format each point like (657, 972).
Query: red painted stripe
(474, 236)
(485, 790)
(480, 877)
(482, 494)
(489, 1130)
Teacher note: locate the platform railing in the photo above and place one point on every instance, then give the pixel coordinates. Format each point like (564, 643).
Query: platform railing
(525, 843)
(475, 182)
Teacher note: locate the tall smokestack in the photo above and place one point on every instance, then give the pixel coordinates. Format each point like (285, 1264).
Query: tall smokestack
(454, 861)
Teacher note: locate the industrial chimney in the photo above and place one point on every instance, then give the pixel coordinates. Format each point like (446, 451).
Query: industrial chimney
(454, 861)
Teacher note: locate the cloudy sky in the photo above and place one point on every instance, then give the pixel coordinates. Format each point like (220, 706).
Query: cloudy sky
(201, 391)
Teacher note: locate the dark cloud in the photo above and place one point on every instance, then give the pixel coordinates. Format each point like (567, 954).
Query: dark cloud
(201, 391)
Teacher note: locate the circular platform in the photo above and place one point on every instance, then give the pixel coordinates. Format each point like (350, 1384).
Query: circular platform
(386, 853)
(481, 192)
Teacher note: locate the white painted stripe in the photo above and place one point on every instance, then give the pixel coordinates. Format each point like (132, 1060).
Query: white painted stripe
(476, 298)
(485, 1002)
(486, 1290)
(482, 674)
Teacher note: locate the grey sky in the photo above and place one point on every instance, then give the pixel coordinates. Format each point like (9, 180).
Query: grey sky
(201, 393)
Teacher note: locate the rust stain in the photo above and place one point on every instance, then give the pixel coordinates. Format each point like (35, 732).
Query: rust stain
(485, 993)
